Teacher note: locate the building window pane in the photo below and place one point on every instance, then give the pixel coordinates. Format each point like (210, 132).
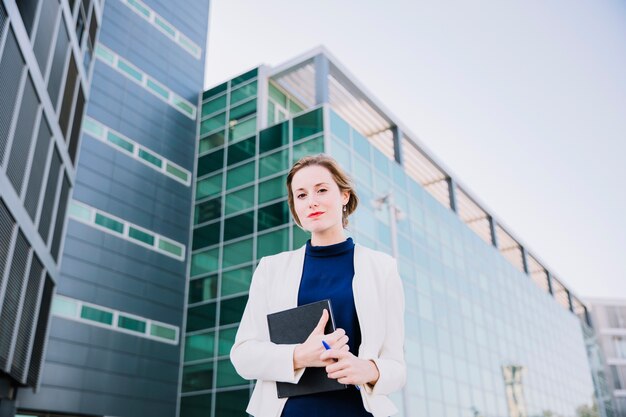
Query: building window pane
(149, 157)
(231, 403)
(204, 262)
(203, 289)
(308, 124)
(165, 26)
(163, 332)
(208, 210)
(274, 137)
(212, 106)
(340, 128)
(274, 163)
(196, 405)
(129, 70)
(226, 341)
(206, 236)
(212, 123)
(79, 211)
(277, 95)
(237, 253)
(209, 94)
(310, 147)
(201, 317)
(141, 236)
(210, 162)
(94, 314)
(241, 175)
(198, 377)
(272, 189)
(273, 243)
(231, 310)
(241, 151)
(240, 79)
(273, 215)
(239, 226)
(120, 142)
(243, 92)
(228, 377)
(65, 307)
(209, 187)
(130, 323)
(240, 130)
(177, 172)
(212, 141)
(299, 236)
(139, 7)
(236, 280)
(243, 110)
(199, 346)
(239, 200)
(170, 247)
(109, 223)
(158, 89)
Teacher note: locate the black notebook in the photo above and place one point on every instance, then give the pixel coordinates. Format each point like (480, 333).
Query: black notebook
(294, 326)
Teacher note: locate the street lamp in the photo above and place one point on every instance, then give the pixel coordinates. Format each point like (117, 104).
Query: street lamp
(395, 215)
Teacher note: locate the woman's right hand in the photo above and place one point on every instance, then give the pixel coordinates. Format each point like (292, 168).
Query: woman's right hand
(308, 353)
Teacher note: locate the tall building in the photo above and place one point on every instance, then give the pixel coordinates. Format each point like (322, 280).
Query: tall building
(114, 346)
(609, 320)
(490, 330)
(46, 50)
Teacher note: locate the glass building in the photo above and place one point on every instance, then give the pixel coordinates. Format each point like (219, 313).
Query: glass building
(46, 50)
(114, 339)
(609, 320)
(490, 331)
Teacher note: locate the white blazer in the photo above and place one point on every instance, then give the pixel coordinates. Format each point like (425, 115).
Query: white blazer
(379, 302)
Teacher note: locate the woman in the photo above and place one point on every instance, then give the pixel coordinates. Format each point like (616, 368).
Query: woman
(367, 349)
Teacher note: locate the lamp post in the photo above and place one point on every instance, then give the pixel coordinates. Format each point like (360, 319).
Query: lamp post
(395, 215)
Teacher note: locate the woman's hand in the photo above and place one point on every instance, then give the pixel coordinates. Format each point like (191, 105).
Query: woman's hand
(308, 353)
(349, 369)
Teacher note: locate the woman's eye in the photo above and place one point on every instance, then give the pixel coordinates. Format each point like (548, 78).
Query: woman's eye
(321, 190)
(300, 195)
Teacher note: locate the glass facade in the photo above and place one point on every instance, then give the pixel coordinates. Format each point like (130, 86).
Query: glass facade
(481, 337)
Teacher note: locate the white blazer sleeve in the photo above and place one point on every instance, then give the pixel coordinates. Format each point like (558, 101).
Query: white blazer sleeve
(390, 361)
(253, 355)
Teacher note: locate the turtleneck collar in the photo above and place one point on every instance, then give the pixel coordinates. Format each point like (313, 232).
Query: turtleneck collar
(329, 250)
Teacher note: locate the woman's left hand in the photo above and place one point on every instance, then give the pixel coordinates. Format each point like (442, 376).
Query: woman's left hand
(349, 369)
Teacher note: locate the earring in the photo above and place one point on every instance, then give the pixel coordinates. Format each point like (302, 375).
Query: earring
(345, 208)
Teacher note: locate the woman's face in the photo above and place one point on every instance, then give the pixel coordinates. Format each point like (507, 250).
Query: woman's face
(317, 200)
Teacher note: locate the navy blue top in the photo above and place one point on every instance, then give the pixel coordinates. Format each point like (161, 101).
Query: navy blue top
(328, 273)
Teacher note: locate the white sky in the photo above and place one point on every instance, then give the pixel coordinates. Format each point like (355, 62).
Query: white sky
(523, 101)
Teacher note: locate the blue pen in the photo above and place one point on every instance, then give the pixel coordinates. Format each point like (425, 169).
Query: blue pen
(328, 348)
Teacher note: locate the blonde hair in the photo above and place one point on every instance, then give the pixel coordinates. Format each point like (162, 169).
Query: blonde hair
(342, 180)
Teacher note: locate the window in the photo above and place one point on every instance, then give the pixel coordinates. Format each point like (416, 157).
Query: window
(204, 262)
(228, 377)
(141, 236)
(208, 235)
(158, 89)
(97, 315)
(201, 317)
(198, 377)
(237, 253)
(274, 163)
(129, 70)
(65, 307)
(208, 210)
(243, 110)
(212, 141)
(132, 324)
(162, 331)
(209, 187)
(243, 174)
(120, 142)
(177, 172)
(274, 137)
(165, 26)
(170, 247)
(244, 92)
(203, 289)
(273, 242)
(210, 163)
(239, 226)
(226, 341)
(214, 105)
(199, 346)
(272, 189)
(239, 200)
(241, 151)
(109, 223)
(149, 157)
(308, 124)
(236, 280)
(79, 211)
(241, 129)
(310, 147)
(273, 215)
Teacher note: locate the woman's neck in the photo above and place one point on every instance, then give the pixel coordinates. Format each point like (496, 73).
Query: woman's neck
(328, 238)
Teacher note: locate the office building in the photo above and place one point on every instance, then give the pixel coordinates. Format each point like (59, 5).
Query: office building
(609, 321)
(490, 330)
(114, 338)
(46, 50)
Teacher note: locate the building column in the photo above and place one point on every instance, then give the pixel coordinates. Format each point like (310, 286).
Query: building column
(397, 144)
(321, 65)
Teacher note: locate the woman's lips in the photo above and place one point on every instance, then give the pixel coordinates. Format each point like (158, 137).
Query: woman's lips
(316, 214)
